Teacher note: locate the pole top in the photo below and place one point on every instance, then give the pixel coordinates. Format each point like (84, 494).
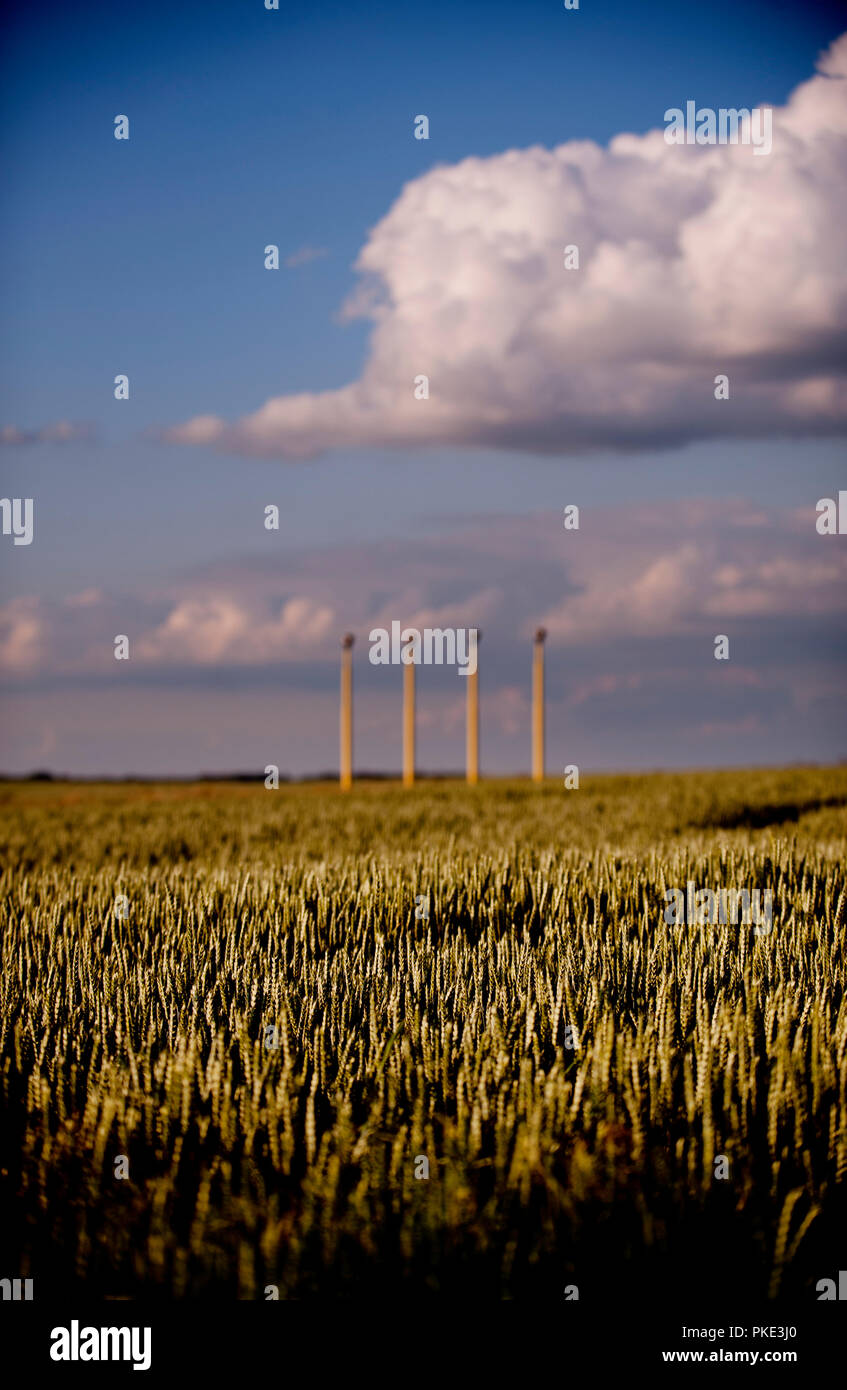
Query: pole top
(347, 641)
(540, 634)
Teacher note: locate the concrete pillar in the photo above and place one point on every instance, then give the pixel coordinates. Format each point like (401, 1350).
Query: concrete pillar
(409, 725)
(346, 730)
(538, 706)
(472, 725)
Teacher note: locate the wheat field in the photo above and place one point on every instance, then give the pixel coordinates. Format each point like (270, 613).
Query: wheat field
(436, 1041)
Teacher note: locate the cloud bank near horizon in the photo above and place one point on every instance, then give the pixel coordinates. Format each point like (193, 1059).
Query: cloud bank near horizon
(235, 664)
(695, 261)
(659, 573)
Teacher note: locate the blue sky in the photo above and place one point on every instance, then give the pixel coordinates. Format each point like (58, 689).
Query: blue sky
(294, 127)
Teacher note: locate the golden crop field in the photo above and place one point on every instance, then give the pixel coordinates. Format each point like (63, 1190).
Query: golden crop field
(440, 1040)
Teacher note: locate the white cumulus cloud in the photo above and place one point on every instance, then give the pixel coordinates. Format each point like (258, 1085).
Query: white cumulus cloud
(219, 629)
(695, 261)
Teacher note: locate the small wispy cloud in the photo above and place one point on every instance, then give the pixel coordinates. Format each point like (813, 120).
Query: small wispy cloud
(304, 256)
(61, 432)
